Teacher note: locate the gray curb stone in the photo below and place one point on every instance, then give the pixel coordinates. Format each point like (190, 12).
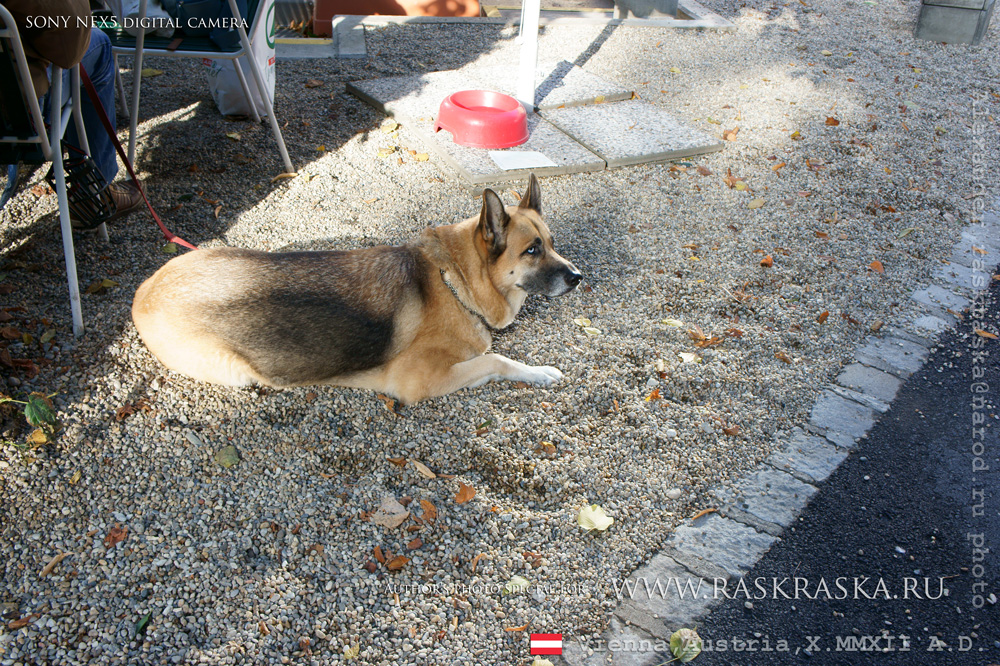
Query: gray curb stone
(836, 413)
(868, 401)
(770, 495)
(899, 357)
(809, 455)
(729, 544)
(870, 381)
(935, 296)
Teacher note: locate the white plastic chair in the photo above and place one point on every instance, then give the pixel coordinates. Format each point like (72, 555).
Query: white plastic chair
(23, 132)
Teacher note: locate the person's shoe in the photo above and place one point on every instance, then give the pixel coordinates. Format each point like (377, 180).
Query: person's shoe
(127, 198)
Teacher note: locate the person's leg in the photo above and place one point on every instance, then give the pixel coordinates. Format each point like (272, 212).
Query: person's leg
(99, 64)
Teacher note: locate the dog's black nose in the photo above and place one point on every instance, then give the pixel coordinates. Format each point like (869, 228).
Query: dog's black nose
(573, 279)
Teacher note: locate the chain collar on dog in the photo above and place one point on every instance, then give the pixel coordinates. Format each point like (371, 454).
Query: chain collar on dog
(476, 313)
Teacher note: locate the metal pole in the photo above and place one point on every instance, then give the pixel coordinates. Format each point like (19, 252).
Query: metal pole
(530, 10)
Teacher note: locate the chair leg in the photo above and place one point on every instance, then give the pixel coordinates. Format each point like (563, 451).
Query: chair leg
(75, 306)
(121, 101)
(259, 80)
(81, 132)
(246, 90)
(136, 83)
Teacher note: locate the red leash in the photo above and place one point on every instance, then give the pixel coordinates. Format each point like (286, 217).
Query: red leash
(92, 92)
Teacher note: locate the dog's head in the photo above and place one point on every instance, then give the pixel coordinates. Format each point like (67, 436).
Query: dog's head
(521, 256)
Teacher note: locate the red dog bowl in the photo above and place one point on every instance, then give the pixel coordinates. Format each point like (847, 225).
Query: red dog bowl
(483, 119)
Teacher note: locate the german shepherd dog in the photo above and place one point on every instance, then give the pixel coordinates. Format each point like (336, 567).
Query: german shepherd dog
(411, 321)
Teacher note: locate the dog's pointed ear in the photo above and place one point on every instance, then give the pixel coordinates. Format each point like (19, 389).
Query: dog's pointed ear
(493, 222)
(532, 198)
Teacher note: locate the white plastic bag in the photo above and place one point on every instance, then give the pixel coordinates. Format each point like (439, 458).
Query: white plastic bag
(222, 79)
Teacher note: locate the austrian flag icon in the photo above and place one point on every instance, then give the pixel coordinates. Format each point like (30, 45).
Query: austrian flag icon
(546, 643)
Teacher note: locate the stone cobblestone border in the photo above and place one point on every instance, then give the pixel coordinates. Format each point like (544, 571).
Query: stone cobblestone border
(751, 517)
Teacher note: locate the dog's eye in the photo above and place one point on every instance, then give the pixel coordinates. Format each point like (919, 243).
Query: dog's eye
(533, 250)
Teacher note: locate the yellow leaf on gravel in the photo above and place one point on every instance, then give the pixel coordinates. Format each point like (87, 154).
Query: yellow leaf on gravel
(985, 334)
(75, 478)
(352, 652)
(37, 437)
(582, 322)
(235, 136)
(590, 330)
(424, 470)
(465, 493)
(826, 52)
(149, 72)
(283, 176)
(675, 323)
(689, 357)
(675, 70)
(755, 203)
(421, 157)
(592, 517)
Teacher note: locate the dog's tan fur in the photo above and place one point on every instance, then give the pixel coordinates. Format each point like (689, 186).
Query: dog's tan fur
(381, 318)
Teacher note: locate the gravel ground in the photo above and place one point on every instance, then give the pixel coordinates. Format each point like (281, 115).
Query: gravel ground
(268, 561)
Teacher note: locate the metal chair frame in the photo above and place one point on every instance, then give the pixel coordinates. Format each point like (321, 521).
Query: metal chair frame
(138, 51)
(49, 141)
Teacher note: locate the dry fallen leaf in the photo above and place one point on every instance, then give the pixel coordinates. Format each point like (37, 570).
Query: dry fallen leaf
(985, 334)
(283, 176)
(704, 170)
(414, 544)
(313, 83)
(654, 395)
(877, 267)
(832, 122)
(399, 462)
(424, 470)
(421, 157)
(755, 203)
(822, 316)
(115, 536)
(767, 261)
(730, 134)
(782, 356)
(731, 430)
(397, 563)
(377, 552)
(390, 514)
(430, 511)
(521, 628)
(465, 493)
(475, 562)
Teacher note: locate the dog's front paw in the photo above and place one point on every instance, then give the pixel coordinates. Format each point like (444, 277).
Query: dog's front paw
(542, 375)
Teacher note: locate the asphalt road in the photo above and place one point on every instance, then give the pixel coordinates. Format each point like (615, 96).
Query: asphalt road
(911, 511)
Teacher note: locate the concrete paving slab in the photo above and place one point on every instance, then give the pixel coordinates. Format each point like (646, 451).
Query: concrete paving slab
(894, 355)
(631, 132)
(975, 251)
(475, 166)
(304, 49)
(868, 401)
(840, 439)
(731, 545)
(962, 277)
(770, 495)
(560, 84)
(349, 37)
(870, 381)
(929, 325)
(935, 296)
(839, 414)
(414, 102)
(809, 455)
(663, 596)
